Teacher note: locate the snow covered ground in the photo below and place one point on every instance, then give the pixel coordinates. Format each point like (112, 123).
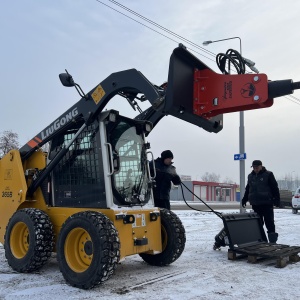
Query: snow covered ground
(200, 273)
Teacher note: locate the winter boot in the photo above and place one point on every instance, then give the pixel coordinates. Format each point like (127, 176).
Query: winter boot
(273, 236)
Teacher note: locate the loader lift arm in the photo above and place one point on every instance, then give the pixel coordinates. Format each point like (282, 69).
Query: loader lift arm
(194, 93)
(91, 105)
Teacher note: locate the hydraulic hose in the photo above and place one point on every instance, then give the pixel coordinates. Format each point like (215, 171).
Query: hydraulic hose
(219, 214)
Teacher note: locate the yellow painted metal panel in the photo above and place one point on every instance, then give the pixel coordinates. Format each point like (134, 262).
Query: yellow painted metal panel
(13, 187)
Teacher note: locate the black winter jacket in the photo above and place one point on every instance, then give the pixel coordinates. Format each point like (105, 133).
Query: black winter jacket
(262, 189)
(164, 176)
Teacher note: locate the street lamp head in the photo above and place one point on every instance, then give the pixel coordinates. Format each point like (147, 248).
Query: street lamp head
(207, 43)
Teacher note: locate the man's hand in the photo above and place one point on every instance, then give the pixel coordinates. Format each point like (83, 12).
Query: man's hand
(276, 202)
(244, 202)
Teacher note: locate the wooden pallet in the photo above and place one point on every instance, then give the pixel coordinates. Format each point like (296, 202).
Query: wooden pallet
(282, 253)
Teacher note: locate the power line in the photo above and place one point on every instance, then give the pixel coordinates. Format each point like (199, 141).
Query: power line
(292, 98)
(156, 31)
(163, 28)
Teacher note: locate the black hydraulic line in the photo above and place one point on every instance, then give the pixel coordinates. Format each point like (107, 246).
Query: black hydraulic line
(219, 214)
(276, 88)
(231, 57)
(151, 115)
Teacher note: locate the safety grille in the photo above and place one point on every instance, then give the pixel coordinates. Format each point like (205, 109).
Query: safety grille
(81, 163)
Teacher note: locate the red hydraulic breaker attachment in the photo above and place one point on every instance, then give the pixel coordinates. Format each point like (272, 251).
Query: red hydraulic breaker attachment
(200, 96)
(216, 94)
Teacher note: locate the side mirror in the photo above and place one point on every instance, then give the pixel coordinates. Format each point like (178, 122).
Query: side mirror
(66, 79)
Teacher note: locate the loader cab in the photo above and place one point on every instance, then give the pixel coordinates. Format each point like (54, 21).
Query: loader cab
(106, 166)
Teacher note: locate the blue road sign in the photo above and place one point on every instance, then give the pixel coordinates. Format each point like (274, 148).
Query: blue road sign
(240, 156)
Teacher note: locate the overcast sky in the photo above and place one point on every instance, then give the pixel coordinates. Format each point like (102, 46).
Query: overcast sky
(40, 39)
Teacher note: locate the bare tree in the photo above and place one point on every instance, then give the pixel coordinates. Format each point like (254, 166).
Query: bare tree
(8, 141)
(228, 180)
(289, 182)
(210, 177)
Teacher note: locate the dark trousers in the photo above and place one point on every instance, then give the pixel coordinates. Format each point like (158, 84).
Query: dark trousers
(162, 203)
(266, 213)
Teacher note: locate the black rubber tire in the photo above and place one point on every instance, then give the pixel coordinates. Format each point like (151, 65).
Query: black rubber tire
(28, 240)
(173, 240)
(88, 249)
(294, 211)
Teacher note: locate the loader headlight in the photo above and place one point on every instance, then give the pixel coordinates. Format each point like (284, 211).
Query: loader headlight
(154, 216)
(112, 117)
(148, 127)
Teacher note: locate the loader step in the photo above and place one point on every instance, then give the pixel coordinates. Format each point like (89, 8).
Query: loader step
(262, 251)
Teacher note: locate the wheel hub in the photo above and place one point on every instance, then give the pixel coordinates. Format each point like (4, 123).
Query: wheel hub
(78, 250)
(19, 240)
(88, 248)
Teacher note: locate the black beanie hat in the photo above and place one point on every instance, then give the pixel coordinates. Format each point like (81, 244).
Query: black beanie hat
(166, 154)
(256, 163)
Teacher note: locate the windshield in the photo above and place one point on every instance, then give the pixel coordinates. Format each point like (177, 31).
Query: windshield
(130, 182)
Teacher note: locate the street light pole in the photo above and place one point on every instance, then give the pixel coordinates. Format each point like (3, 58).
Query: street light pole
(292, 185)
(241, 133)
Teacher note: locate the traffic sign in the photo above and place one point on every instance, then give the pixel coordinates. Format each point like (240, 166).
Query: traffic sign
(241, 156)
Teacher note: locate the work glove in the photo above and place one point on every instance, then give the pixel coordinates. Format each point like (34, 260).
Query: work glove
(276, 202)
(244, 202)
(176, 180)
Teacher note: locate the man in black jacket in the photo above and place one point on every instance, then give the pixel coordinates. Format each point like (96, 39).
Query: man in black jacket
(263, 193)
(165, 174)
